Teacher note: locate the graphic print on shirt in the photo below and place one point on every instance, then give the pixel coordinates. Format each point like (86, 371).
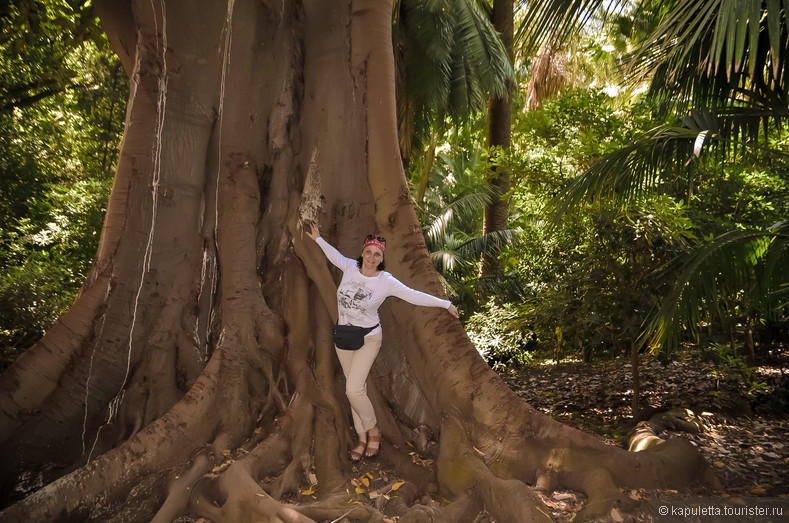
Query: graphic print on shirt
(353, 297)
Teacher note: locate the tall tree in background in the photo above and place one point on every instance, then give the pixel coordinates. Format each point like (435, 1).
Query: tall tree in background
(195, 374)
(449, 61)
(499, 131)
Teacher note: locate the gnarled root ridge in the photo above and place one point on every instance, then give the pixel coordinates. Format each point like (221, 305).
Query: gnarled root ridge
(294, 468)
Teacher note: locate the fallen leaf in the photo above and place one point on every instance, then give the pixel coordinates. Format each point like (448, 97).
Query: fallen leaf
(398, 485)
(308, 492)
(616, 516)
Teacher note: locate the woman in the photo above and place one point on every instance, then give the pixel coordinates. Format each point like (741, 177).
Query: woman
(364, 286)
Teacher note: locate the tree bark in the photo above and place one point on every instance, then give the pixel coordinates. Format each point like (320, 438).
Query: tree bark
(195, 374)
(495, 216)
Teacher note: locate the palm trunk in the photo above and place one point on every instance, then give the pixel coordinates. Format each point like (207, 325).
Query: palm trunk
(499, 118)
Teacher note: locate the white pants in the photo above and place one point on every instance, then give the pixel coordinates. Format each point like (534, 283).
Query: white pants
(356, 365)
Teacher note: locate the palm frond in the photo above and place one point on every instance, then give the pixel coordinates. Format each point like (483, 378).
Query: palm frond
(466, 205)
(483, 49)
(662, 158)
(507, 287)
(449, 60)
(642, 166)
(721, 267)
(490, 244)
(555, 21)
(712, 52)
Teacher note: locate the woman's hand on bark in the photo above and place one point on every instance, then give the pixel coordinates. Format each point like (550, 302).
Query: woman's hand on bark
(453, 311)
(312, 231)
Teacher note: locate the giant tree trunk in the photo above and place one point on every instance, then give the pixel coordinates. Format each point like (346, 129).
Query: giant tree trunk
(194, 373)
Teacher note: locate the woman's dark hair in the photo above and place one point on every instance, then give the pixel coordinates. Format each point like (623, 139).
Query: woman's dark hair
(381, 266)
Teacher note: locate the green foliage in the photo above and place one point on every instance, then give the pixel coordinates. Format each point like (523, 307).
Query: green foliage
(36, 42)
(499, 334)
(591, 279)
(63, 102)
(739, 276)
(449, 60)
(725, 62)
(451, 216)
(765, 395)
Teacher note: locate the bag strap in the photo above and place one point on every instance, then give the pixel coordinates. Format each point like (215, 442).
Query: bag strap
(370, 329)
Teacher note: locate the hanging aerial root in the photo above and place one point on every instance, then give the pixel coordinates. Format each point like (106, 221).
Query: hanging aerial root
(460, 469)
(298, 469)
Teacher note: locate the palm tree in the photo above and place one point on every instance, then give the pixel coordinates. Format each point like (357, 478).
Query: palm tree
(495, 216)
(449, 61)
(755, 261)
(453, 232)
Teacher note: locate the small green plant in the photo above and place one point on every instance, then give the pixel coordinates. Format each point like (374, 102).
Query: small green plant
(499, 334)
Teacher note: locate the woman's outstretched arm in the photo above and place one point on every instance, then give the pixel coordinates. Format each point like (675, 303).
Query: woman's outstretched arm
(332, 254)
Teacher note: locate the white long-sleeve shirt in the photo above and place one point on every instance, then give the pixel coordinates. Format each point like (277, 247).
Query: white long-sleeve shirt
(360, 296)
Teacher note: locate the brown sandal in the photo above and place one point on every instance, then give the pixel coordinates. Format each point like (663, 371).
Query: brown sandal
(373, 445)
(357, 451)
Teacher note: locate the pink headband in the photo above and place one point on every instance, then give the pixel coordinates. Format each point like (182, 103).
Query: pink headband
(375, 242)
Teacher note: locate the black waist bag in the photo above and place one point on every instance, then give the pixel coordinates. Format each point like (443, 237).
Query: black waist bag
(350, 337)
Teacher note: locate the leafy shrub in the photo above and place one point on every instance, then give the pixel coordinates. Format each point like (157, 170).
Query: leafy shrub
(499, 334)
